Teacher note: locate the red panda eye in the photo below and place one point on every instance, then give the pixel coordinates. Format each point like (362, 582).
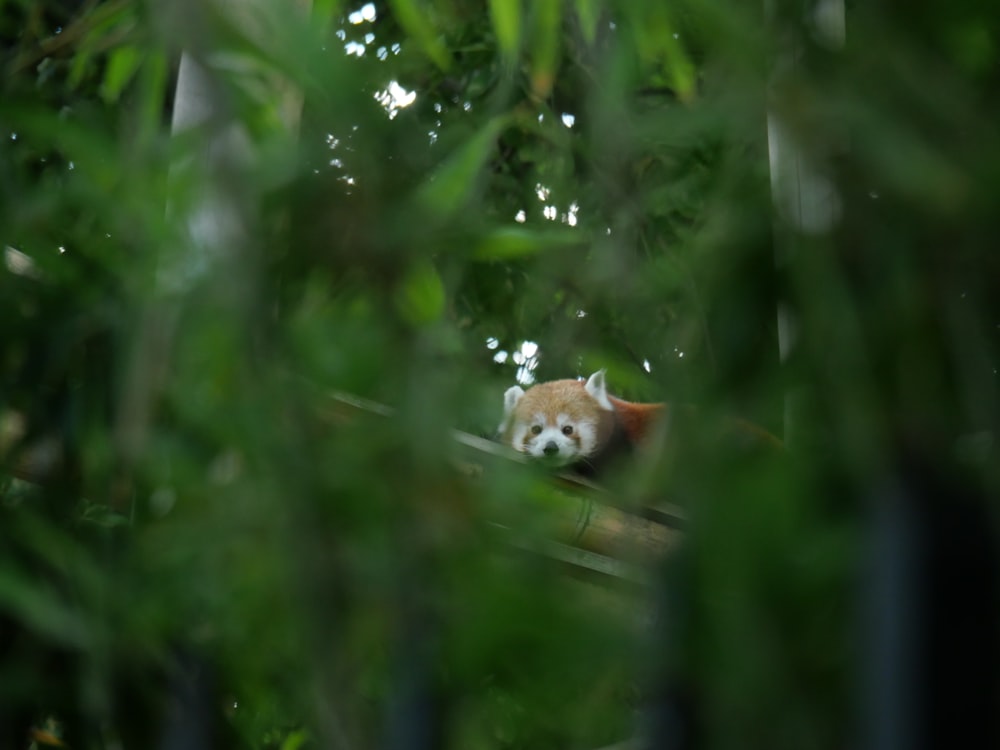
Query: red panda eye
(536, 429)
(567, 430)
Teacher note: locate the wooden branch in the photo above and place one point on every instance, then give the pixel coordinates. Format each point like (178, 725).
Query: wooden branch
(589, 531)
(594, 532)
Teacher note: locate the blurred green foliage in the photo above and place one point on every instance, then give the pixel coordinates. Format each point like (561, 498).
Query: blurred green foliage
(592, 177)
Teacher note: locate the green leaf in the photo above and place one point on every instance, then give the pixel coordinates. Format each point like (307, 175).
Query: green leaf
(420, 298)
(589, 14)
(295, 740)
(42, 609)
(122, 66)
(545, 47)
(659, 44)
(152, 84)
(506, 17)
(79, 66)
(414, 20)
(102, 515)
(450, 185)
(515, 242)
(324, 10)
(680, 69)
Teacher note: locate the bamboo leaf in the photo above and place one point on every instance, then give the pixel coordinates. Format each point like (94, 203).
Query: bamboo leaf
(153, 78)
(123, 63)
(453, 181)
(659, 44)
(41, 609)
(324, 10)
(508, 243)
(421, 296)
(506, 17)
(545, 50)
(588, 12)
(414, 19)
(295, 740)
(680, 69)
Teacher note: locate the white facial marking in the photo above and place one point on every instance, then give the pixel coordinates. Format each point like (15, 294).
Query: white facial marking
(547, 440)
(561, 438)
(588, 437)
(517, 436)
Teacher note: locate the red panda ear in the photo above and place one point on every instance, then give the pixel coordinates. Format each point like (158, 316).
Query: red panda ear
(510, 399)
(598, 390)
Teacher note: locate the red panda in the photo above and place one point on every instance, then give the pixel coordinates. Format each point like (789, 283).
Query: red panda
(572, 424)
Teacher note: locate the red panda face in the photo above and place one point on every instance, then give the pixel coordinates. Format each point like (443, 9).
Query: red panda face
(560, 422)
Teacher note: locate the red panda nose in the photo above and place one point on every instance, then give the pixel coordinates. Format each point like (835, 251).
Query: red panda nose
(550, 448)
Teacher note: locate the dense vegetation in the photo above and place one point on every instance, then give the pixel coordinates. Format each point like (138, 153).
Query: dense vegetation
(420, 203)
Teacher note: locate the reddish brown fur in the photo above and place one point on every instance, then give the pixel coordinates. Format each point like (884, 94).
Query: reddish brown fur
(558, 396)
(637, 419)
(567, 397)
(570, 397)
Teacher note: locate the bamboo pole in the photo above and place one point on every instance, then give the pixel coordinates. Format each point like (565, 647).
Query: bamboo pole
(804, 196)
